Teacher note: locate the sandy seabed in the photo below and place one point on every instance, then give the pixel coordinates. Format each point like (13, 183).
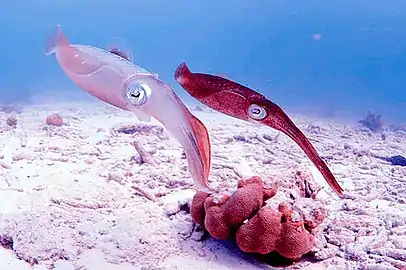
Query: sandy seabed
(89, 196)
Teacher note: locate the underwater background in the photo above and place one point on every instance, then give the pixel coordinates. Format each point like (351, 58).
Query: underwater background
(332, 59)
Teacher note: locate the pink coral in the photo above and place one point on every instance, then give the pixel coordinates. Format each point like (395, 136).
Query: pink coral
(54, 120)
(257, 228)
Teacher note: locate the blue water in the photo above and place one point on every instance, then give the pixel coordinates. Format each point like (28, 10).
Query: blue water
(358, 64)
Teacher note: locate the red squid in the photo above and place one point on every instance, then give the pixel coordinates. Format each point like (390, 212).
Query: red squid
(241, 102)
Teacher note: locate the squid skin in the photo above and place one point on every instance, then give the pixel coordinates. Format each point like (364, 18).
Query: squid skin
(238, 101)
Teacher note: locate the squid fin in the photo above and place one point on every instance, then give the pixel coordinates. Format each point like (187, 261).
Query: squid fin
(118, 47)
(203, 143)
(56, 39)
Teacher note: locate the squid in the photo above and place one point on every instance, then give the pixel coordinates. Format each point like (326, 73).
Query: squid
(241, 102)
(111, 76)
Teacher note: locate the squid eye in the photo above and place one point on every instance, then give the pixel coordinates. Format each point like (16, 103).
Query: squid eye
(138, 93)
(257, 112)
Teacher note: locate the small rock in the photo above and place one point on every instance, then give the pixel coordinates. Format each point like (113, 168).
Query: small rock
(172, 208)
(178, 201)
(380, 266)
(327, 253)
(197, 236)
